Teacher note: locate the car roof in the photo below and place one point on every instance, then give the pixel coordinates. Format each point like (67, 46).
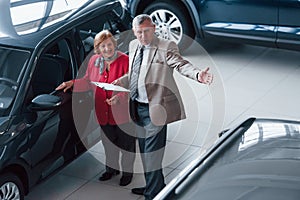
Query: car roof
(24, 24)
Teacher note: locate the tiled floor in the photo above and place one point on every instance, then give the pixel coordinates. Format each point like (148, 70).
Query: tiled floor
(249, 81)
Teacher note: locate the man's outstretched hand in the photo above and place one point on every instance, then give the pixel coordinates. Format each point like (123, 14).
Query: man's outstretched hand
(205, 77)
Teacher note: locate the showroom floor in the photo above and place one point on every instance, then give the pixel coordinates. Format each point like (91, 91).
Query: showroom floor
(249, 81)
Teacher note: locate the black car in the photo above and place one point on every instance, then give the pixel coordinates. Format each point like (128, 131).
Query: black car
(42, 44)
(258, 159)
(272, 23)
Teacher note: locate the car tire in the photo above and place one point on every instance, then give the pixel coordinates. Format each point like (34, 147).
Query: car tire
(165, 14)
(11, 187)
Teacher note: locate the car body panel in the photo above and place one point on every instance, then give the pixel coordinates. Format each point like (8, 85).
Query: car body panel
(288, 33)
(257, 159)
(240, 20)
(271, 23)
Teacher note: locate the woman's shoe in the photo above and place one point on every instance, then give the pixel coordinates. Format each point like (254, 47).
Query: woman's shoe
(108, 175)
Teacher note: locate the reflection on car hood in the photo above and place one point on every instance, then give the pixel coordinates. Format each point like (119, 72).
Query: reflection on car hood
(270, 140)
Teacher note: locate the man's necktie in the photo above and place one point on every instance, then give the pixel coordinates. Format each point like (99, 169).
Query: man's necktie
(135, 74)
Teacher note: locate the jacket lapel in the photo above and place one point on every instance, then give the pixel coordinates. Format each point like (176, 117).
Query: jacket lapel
(132, 55)
(152, 52)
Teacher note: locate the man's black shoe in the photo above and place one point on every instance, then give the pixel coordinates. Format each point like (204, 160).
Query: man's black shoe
(125, 180)
(138, 191)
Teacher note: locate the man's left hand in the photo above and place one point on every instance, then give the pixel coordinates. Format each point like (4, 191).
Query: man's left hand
(205, 77)
(113, 100)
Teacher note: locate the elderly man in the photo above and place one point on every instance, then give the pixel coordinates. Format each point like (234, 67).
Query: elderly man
(154, 97)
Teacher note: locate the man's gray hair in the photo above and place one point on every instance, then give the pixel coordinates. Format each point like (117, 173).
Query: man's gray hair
(139, 19)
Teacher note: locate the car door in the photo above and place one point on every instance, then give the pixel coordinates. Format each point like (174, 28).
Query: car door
(51, 128)
(241, 20)
(288, 35)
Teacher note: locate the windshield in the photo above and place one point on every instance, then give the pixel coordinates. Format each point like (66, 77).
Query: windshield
(12, 64)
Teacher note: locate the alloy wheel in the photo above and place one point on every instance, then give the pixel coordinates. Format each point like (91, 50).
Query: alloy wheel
(9, 191)
(168, 26)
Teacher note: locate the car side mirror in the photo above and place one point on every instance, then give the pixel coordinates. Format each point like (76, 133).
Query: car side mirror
(45, 102)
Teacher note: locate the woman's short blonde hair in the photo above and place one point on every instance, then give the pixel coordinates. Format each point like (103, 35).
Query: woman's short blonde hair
(100, 37)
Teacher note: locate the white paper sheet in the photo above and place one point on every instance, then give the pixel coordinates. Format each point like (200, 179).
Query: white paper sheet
(111, 87)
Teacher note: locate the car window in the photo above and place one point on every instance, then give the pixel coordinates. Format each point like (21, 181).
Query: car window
(12, 65)
(87, 31)
(53, 67)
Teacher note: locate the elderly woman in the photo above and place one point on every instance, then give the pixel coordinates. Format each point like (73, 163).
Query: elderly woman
(111, 109)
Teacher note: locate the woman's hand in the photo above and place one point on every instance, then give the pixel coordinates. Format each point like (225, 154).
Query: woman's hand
(116, 82)
(65, 86)
(113, 100)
